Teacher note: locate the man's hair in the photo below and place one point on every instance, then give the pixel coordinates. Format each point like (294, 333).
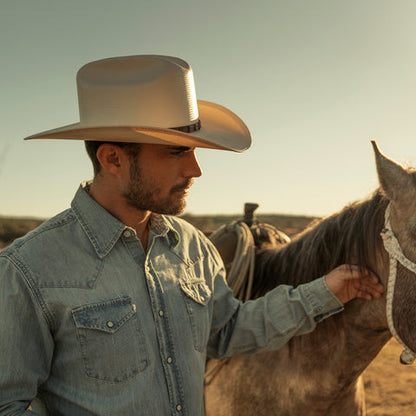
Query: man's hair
(132, 150)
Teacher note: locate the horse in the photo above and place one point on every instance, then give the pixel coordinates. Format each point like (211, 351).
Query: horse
(320, 373)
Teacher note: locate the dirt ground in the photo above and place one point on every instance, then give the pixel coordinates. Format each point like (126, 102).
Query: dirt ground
(390, 386)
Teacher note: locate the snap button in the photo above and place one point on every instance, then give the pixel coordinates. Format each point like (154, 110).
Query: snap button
(127, 233)
(110, 324)
(169, 360)
(178, 407)
(161, 313)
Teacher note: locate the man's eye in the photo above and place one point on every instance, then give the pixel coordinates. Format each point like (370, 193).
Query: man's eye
(179, 151)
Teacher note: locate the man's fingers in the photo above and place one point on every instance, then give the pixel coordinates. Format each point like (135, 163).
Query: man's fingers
(364, 295)
(371, 291)
(356, 272)
(350, 281)
(371, 287)
(372, 281)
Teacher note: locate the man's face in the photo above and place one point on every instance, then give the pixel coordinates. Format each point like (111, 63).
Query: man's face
(160, 177)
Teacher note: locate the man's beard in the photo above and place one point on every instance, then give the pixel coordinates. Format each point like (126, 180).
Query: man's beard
(146, 200)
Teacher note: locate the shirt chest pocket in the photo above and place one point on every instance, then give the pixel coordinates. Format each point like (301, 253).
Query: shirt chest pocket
(197, 296)
(111, 339)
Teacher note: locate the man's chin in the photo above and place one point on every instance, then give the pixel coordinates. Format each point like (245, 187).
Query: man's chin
(172, 209)
(170, 206)
(177, 210)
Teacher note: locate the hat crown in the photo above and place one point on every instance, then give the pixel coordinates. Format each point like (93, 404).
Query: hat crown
(143, 90)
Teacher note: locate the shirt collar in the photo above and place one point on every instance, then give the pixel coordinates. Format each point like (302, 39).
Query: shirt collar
(103, 229)
(160, 226)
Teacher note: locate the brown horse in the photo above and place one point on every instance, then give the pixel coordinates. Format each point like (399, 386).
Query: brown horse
(319, 373)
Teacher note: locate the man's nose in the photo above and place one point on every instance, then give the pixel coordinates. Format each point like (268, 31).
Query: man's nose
(192, 168)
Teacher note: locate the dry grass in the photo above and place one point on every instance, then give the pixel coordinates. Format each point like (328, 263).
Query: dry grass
(390, 386)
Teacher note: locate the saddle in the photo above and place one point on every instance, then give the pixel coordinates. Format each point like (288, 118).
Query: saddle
(237, 243)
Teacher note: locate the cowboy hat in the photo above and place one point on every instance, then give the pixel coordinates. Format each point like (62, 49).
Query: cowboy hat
(148, 99)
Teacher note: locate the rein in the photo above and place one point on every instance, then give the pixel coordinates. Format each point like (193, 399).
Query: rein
(396, 256)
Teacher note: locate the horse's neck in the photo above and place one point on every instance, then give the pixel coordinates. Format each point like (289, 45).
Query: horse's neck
(360, 331)
(348, 341)
(363, 333)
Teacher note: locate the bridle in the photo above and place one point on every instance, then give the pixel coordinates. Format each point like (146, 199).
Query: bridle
(396, 256)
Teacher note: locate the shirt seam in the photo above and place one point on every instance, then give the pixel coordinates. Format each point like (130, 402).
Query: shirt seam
(47, 226)
(30, 283)
(100, 251)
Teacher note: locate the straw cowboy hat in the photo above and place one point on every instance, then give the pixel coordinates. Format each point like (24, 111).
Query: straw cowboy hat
(148, 99)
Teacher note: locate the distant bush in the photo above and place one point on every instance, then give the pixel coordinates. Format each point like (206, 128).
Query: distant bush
(12, 228)
(289, 224)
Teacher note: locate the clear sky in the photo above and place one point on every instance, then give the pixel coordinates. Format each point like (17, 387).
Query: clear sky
(315, 81)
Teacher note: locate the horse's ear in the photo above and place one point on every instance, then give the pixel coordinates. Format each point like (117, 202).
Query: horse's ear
(393, 178)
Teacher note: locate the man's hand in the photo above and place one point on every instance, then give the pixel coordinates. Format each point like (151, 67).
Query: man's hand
(347, 282)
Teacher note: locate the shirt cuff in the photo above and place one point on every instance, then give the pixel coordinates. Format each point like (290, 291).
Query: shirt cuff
(321, 300)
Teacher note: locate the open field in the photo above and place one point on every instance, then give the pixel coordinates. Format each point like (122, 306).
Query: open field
(390, 386)
(13, 227)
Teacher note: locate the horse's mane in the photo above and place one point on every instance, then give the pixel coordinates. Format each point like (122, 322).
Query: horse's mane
(348, 237)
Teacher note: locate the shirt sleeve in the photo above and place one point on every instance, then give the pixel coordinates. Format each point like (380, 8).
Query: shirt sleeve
(25, 340)
(268, 322)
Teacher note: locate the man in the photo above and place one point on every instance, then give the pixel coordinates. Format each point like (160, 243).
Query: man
(111, 307)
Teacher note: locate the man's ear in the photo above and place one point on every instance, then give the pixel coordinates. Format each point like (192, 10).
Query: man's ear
(111, 158)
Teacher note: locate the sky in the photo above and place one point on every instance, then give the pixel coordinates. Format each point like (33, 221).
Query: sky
(314, 81)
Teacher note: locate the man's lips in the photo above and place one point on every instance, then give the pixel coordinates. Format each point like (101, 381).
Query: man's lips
(183, 187)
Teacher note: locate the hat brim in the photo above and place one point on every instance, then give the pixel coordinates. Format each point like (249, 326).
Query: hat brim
(220, 129)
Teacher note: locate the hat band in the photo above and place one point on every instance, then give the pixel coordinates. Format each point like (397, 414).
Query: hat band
(189, 128)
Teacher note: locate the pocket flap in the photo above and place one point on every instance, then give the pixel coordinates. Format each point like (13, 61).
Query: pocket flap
(197, 291)
(106, 316)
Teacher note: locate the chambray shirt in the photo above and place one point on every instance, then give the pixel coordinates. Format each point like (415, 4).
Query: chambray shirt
(93, 325)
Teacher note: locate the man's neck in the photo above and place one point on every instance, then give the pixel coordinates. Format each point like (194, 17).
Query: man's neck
(116, 205)
(140, 222)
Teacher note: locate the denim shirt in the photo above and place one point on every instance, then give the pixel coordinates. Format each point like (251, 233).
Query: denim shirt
(93, 325)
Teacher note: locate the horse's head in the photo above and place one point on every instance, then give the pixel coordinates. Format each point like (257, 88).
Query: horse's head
(399, 186)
